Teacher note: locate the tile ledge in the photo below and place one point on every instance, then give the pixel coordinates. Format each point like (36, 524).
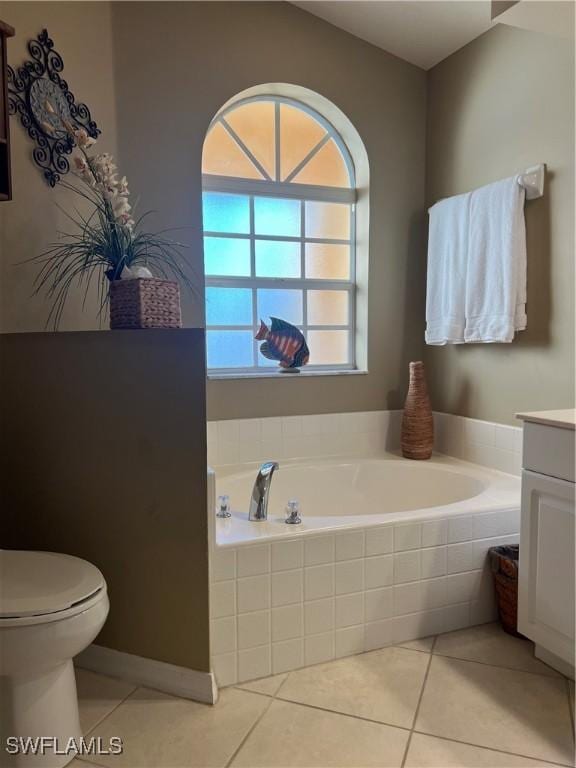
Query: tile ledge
(276, 375)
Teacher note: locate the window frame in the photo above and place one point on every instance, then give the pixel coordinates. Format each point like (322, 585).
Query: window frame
(268, 187)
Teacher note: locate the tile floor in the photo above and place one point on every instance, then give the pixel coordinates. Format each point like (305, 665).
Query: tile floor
(475, 698)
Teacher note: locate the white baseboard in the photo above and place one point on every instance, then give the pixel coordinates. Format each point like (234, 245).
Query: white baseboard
(168, 678)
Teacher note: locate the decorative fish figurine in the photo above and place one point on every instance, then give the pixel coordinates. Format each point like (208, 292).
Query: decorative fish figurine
(283, 342)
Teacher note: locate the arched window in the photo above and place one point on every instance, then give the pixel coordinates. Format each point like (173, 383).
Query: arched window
(279, 233)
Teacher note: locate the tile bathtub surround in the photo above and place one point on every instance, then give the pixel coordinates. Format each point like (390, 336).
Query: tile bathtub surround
(366, 433)
(497, 446)
(284, 605)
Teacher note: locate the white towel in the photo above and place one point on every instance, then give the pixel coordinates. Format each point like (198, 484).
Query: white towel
(496, 275)
(446, 279)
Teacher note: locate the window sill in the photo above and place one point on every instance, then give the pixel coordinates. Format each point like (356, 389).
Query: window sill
(276, 375)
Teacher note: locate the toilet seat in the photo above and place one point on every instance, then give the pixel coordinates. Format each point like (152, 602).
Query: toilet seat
(45, 586)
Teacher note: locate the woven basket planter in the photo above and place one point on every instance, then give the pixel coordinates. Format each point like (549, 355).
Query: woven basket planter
(417, 439)
(504, 564)
(145, 303)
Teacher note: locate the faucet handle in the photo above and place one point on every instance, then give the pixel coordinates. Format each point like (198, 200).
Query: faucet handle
(223, 509)
(293, 512)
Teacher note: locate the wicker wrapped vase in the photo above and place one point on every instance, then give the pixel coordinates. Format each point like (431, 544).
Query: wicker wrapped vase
(417, 438)
(145, 303)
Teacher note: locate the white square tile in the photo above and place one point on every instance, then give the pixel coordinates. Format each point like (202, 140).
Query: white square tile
(433, 562)
(271, 429)
(228, 453)
(407, 598)
(349, 641)
(379, 571)
(378, 604)
(287, 655)
(406, 567)
(349, 545)
(223, 635)
(349, 576)
(254, 663)
(459, 557)
(483, 611)
(433, 593)
(318, 582)
(223, 564)
(456, 617)
(253, 561)
(249, 431)
(292, 426)
(459, 529)
(223, 599)
(434, 533)
(287, 622)
(271, 450)
(416, 625)
(407, 536)
(319, 648)
(507, 438)
(378, 634)
(318, 550)
(228, 431)
(212, 430)
(460, 587)
(287, 555)
(479, 432)
(287, 587)
(253, 593)
(319, 616)
(349, 610)
(380, 541)
(500, 523)
(253, 629)
(224, 668)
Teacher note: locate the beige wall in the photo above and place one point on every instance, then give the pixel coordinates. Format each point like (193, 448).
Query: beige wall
(106, 460)
(82, 34)
(180, 63)
(497, 106)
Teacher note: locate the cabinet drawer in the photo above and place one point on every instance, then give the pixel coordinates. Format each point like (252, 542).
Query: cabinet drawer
(549, 450)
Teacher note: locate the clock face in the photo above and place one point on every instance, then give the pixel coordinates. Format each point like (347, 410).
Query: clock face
(49, 107)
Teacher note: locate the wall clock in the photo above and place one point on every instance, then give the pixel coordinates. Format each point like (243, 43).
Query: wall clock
(40, 96)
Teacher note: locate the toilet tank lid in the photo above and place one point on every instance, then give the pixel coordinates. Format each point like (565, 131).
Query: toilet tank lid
(38, 583)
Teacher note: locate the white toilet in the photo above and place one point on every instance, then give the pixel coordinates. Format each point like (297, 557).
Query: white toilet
(51, 607)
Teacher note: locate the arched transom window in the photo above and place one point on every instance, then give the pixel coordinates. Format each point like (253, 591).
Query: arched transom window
(278, 209)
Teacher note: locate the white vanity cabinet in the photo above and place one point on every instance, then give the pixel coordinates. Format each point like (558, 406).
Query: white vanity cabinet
(546, 594)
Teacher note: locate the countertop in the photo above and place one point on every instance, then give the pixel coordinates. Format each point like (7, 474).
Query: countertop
(565, 418)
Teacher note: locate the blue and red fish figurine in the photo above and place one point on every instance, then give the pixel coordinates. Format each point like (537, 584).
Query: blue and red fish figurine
(283, 342)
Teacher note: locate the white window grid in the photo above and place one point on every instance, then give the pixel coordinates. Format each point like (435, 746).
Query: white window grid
(267, 187)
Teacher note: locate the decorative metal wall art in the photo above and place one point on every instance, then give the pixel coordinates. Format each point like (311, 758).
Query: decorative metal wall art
(47, 109)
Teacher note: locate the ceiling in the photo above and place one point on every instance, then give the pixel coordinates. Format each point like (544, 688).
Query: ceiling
(421, 32)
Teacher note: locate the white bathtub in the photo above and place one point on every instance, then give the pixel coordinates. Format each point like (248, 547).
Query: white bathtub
(389, 550)
(342, 493)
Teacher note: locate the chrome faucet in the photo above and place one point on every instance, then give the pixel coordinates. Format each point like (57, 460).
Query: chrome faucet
(260, 492)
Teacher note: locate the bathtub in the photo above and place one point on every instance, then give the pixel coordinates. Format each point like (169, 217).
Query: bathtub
(360, 492)
(389, 550)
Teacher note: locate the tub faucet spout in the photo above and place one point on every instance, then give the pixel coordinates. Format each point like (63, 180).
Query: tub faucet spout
(260, 492)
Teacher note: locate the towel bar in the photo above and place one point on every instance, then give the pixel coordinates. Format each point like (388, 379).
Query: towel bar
(533, 181)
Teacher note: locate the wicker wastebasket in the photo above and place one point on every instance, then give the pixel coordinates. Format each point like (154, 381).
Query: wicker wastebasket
(504, 564)
(145, 303)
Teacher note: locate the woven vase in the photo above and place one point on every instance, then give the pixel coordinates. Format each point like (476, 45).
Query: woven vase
(417, 438)
(144, 303)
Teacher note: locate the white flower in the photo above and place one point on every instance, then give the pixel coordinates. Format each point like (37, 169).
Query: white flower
(82, 139)
(120, 205)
